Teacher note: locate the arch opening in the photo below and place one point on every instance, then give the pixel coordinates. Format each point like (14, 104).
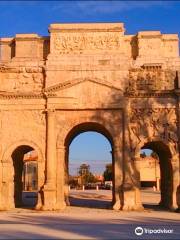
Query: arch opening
(156, 175)
(89, 167)
(25, 180)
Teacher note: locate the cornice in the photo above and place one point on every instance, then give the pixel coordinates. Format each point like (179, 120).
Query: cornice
(158, 94)
(21, 95)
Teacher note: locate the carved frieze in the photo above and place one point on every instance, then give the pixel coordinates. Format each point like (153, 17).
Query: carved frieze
(23, 79)
(150, 79)
(149, 124)
(9, 69)
(76, 43)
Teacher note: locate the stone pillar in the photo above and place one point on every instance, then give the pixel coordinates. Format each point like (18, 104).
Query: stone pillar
(50, 184)
(178, 188)
(66, 176)
(61, 152)
(118, 176)
(137, 165)
(175, 178)
(157, 184)
(7, 188)
(131, 181)
(51, 148)
(1, 181)
(177, 173)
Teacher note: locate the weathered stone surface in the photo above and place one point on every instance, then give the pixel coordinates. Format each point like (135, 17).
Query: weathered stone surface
(90, 77)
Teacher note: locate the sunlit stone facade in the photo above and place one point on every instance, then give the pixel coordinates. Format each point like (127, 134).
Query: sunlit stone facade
(89, 77)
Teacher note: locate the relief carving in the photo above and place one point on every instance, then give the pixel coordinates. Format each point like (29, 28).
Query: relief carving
(150, 80)
(24, 79)
(149, 46)
(149, 124)
(79, 42)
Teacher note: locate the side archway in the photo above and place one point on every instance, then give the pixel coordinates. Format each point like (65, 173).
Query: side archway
(166, 171)
(13, 168)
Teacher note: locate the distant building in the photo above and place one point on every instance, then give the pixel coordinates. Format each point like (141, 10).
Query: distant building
(30, 174)
(99, 178)
(149, 172)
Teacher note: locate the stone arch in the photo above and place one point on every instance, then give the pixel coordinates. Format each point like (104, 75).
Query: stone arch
(73, 132)
(9, 150)
(87, 126)
(8, 169)
(168, 179)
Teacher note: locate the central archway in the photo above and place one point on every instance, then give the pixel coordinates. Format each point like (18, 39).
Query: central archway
(104, 134)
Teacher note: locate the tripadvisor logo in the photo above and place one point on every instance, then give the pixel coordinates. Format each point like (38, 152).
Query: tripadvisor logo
(139, 231)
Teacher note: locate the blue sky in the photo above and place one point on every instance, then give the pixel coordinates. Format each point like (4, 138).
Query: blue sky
(35, 16)
(92, 148)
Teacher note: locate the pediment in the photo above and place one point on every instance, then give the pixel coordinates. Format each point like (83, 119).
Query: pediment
(71, 83)
(89, 93)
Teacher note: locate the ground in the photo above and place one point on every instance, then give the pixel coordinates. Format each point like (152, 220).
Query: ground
(89, 223)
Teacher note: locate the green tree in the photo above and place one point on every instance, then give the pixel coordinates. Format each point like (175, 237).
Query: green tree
(83, 169)
(108, 172)
(86, 175)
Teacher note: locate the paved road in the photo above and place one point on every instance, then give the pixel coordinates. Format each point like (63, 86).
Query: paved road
(103, 198)
(88, 223)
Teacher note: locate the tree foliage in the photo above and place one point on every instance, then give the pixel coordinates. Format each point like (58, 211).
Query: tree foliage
(108, 172)
(86, 175)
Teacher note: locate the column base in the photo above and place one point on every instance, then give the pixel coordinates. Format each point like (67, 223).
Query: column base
(40, 200)
(117, 205)
(49, 198)
(67, 202)
(61, 205)
(134, 207)
(131, 198)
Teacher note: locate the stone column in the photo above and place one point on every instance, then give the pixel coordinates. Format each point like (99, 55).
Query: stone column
(66, 176)
(61, 152)
(138, 200)
(178, 188)
(175, 178)
(177, 175)
(157, 184)
(1, 180)
(51, 148)
(131, 181)
(50, 184)
(118, 176)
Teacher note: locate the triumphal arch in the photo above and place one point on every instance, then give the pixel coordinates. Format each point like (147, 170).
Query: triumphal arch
(89, 77)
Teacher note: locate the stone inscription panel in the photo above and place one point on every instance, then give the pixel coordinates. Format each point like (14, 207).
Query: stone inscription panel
(64, 43)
